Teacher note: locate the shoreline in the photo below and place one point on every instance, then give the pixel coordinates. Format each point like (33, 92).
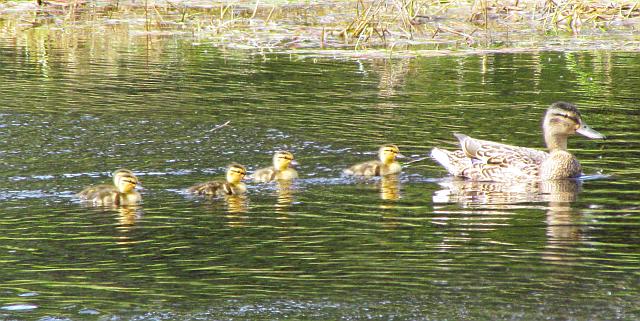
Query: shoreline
(379, 28)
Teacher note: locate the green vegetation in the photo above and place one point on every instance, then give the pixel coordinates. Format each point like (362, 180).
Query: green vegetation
(377, 24)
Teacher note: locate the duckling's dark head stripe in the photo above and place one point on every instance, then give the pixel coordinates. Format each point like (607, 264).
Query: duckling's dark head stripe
(239, 167)
(238, 171)
(284, 154)
(128, 178)
(391, 148)
(125, 175)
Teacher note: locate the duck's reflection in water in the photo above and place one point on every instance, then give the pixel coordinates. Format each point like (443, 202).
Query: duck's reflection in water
(562, 227)
(389, 191)
(506, 195)
(390, 187)
(232, 207)
(284, 195)
(128, 216)
(236, 203)
(236, 206)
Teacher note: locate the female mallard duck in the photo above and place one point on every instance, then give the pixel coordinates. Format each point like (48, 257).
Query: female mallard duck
(279, 171)
(122, 192)
(232, 186)
(386, 164)
(488, 161)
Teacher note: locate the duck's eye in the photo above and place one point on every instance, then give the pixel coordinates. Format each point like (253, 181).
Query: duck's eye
(239, 172)
(130, 182)
(391, 151)
(575, 119)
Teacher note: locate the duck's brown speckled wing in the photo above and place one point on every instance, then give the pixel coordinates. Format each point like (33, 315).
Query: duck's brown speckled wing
(500, 172)
(489, 152)
(483, 160)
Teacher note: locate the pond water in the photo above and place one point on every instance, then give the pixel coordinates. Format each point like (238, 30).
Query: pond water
(422, 247)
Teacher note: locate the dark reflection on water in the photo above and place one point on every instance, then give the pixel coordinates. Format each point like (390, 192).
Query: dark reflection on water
(416, 246)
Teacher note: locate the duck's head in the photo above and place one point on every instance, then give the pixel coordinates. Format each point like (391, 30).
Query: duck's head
(282, 159)
(235, 173)
(124, 180)
(388, 153)
(564, 119)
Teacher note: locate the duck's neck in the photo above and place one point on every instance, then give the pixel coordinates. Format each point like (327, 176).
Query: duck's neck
(555, 141)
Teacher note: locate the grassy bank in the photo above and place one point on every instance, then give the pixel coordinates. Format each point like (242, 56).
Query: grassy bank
(418, 26)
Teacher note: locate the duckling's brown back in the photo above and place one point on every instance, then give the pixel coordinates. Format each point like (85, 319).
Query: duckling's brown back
(99, 194)
(370, 168)
(211, 188)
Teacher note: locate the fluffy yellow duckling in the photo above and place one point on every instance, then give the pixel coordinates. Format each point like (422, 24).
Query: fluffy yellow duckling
(386, 164)
(279, 171)
(122, 192)
(232, 185)
(482, 160)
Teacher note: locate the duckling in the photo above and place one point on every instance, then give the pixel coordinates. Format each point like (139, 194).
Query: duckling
(386, 164)
(279, 171)
(232, 185)
(121, 193)
(483, 160)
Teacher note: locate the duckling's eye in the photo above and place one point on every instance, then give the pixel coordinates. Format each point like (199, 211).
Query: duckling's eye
(130, 182)
(391, 151)
(240, 172)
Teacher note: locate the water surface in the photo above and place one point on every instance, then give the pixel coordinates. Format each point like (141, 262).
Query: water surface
(421, 246)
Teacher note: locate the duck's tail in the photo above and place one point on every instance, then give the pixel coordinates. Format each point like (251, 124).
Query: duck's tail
(454, 162)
